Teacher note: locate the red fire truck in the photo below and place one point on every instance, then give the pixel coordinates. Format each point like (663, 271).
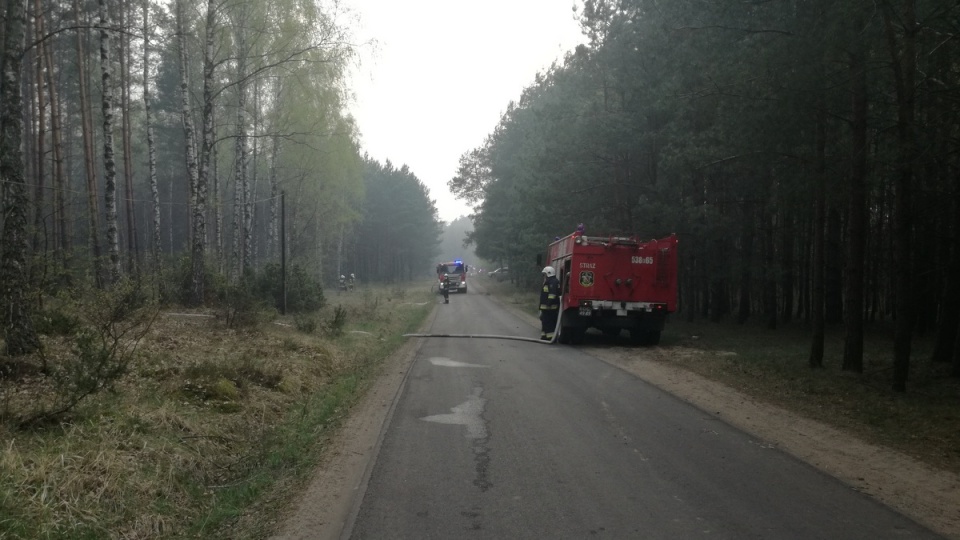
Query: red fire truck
(456, 272)
(615, 283)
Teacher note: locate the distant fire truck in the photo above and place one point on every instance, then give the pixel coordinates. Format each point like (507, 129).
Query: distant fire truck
(615, 283)
(456, 272)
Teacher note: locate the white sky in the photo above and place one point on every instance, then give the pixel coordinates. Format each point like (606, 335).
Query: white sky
(443, 71)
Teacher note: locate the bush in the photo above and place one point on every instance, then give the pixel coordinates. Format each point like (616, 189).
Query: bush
(114, 322)
(240, 307)
(56, 322)
(307, 325)
(304, 293)
(336, 325)
(178, 283)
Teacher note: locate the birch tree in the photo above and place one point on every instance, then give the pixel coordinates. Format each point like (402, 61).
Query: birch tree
(19, 333)
(109, 163)
(196, 252)
(151, 146)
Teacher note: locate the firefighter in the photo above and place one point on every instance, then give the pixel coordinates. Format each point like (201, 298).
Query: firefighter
(549, 303)
(445, 288)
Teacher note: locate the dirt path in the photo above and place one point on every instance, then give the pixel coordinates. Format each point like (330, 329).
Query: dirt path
(929, 496)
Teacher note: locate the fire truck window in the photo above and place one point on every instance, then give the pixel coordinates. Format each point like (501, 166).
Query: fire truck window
(450, 269)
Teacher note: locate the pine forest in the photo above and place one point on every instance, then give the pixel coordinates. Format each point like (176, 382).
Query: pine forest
(805, 152)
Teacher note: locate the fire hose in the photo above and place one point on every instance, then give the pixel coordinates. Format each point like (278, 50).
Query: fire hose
(556, 334)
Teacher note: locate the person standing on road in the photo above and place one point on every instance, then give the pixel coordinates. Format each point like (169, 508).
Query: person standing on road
(549, 303)
(445, 288)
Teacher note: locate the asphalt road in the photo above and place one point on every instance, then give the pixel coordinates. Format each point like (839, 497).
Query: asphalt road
(509, 439)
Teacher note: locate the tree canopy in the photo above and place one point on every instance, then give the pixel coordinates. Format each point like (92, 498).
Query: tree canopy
(731, 124)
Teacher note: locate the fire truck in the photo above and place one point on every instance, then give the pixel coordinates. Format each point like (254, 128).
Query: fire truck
(615, 283)
(456, 272)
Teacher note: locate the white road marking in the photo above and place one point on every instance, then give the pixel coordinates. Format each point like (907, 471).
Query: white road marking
(465, 414)
(446, 362)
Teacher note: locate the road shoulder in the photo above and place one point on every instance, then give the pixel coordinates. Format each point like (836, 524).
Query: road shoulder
(929, 496)
(331, 500)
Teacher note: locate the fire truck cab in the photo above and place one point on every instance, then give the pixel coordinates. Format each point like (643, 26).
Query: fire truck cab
(615, 283)
(456, 272)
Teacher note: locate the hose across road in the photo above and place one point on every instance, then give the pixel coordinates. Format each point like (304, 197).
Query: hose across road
(556, 334)
(481, 336)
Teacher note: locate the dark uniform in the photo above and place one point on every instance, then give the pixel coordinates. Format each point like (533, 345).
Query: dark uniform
(549, 307)
(445, 289)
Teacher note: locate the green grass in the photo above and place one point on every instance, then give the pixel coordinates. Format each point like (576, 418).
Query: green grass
(208, 436)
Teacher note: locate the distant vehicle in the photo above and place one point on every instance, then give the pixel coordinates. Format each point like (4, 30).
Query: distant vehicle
(456, 272)
(500, 274)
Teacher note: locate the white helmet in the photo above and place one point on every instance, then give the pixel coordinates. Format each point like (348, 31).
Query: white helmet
(343, 276)
(549, 271)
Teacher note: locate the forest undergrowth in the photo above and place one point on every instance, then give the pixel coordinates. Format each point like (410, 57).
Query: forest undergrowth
(211, 417)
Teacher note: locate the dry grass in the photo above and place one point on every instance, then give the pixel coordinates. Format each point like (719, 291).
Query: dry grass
(204, 428)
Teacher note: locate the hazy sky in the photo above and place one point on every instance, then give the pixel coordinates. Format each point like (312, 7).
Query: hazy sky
(443, 71)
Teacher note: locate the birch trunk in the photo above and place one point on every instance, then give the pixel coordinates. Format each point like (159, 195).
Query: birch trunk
(241, 181)
(196, 292)
(20, 336)
(133, 255)
(109, 163)
(218, 205)
(151, 147)
(198, 251)
(40, 175)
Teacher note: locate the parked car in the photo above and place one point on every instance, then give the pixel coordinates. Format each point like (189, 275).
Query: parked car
(500, 274)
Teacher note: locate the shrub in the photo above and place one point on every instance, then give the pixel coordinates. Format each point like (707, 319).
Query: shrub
(115, 321)
(178, 284)
(304, 292)
(336, 325)
(305, 324)
(56, 322)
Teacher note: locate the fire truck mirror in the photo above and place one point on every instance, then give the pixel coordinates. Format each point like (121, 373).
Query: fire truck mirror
(539, 260)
